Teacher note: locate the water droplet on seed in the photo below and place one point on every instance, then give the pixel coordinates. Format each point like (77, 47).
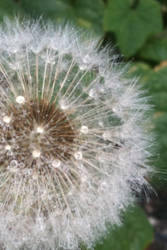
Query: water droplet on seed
(78, 155)
(106, 135)
(13, 163)
(7, 147)
(7, 119)
(64, 105)
(40, 130)
(84, 130)
(56, 163)
(36, 153)
(20, 99)
(92, 93)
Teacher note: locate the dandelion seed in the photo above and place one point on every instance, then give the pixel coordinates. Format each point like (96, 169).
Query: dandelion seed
(72, 137)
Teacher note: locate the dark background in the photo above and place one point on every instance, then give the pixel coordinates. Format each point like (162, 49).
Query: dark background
(137, 30)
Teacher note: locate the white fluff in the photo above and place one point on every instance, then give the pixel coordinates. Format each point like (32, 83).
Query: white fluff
(111, 158)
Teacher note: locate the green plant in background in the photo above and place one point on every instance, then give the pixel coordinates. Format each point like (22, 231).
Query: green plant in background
(133, 22)
(135, 233)
(136, 29)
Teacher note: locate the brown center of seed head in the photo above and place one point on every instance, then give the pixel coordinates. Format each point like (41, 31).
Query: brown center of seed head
(39, 129)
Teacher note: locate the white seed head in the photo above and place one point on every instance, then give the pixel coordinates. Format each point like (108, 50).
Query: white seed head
(78, 135)
(20, 99)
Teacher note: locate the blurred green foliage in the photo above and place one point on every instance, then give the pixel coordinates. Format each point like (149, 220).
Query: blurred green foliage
(132, 22)
(155, 49)
(135, 233)
(138, 30)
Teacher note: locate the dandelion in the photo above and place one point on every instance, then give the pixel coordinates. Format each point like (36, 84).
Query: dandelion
(73, 138)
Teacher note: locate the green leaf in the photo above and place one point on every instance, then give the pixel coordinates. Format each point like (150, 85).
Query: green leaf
(90, 14)
(157, 84)
(135, 233)
(155, 49)
(160, 124)
(140, 69)
(163, 1)
(50, 8)
(132, 25)
(8, 8)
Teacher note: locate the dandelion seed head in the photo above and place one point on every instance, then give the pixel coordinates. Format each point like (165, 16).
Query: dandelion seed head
(73, 138)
